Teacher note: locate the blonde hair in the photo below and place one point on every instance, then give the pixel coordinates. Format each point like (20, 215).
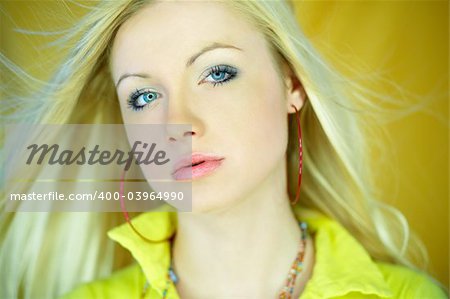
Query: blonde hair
(337, 126)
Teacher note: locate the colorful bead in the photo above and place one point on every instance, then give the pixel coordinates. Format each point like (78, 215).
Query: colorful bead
(285, 293)
(172, 275)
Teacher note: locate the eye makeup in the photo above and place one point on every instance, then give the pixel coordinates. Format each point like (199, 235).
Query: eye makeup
(218, 74)
(140, 98)
(215, 75)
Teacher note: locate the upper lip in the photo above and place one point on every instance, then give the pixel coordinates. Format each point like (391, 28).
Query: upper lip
(194, 159)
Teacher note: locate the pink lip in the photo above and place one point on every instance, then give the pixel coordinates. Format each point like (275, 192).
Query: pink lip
(185, 171)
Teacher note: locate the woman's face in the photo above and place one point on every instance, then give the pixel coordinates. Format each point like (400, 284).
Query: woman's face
(203, 64)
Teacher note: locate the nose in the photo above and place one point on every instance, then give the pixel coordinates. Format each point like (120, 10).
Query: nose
(179, 133)
(183, 120)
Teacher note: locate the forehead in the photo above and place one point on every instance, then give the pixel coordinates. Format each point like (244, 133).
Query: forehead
(171, 28)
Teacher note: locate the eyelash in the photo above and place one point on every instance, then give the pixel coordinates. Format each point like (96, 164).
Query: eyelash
(229, 71)
(134, 97)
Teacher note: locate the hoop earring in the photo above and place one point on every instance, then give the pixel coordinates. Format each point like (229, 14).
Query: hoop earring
(300, 154)
(124, 210)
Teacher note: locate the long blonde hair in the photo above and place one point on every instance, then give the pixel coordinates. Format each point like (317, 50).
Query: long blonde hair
(338, 134)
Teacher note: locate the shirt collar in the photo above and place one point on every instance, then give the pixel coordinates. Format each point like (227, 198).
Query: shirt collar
(342, 265)
(154, 258)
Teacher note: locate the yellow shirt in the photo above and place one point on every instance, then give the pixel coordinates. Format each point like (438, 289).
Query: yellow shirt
(343, 269)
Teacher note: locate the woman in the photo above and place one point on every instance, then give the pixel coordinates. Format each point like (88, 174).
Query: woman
(242, 74)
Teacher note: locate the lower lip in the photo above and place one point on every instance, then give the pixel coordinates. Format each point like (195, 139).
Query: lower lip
(203, 169)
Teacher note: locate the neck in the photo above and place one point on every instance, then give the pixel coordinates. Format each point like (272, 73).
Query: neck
(245, 251)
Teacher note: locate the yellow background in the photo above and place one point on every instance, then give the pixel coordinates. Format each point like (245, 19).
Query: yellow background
(407, 41)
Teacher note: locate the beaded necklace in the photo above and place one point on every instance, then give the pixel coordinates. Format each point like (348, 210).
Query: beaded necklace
(285, 293)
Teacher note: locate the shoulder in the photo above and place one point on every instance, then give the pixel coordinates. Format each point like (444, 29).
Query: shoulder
(124, 283)
(408, 283)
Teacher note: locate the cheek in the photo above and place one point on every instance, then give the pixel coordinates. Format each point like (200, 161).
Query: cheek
(266, 116)
(269, 129)
(259, 121)
(260, 142)
(148, 115)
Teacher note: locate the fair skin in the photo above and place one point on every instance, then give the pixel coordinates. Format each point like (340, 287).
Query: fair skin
(242, 236)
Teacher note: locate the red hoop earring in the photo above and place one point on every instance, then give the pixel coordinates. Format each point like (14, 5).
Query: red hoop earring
(124, 210)
(300, 154)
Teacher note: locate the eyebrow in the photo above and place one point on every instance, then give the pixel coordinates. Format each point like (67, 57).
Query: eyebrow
(190, 61)
(124, 76)
(209, 48)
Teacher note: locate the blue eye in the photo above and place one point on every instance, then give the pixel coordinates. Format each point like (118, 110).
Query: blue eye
(219, 74)
(141, 98)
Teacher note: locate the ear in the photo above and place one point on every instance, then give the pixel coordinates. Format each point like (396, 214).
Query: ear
(295, 92)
